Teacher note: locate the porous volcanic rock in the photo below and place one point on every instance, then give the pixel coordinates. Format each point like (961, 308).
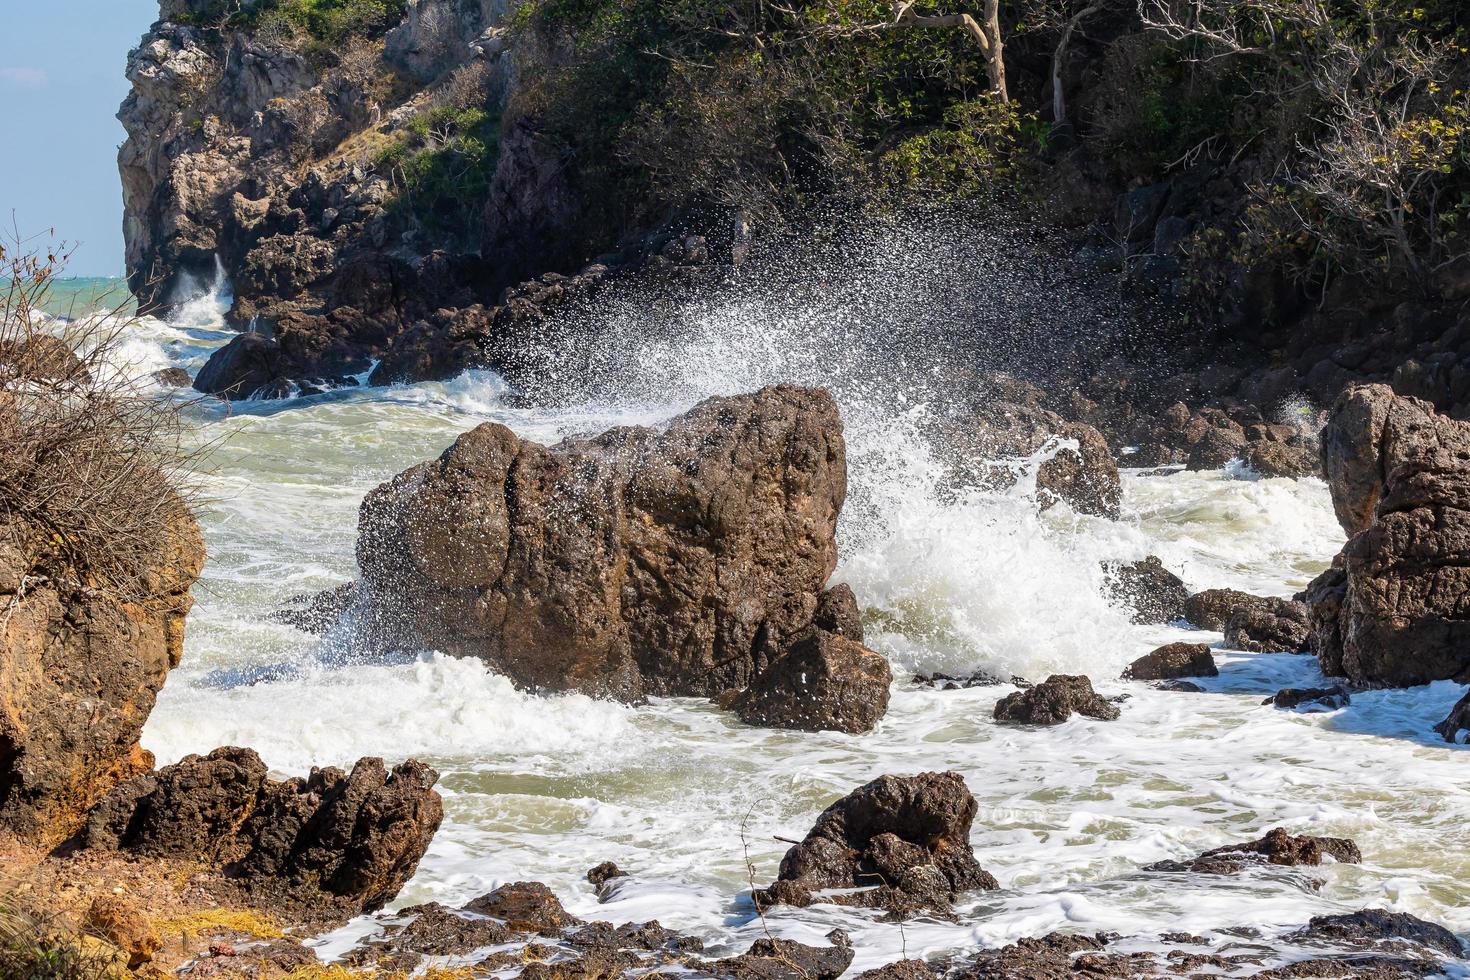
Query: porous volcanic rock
(1273, 625)
(1395, 610)
(785, 959)
(686, 561)
(1372, 927)
(908, 835)
(79, 671)
(1053, 701)
(1212, 608)
(334, 843)
(822, 682)
(1174, 660)
(1153, 593)
(1276, 847)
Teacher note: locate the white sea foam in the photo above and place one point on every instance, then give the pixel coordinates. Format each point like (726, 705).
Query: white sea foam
(545, 787)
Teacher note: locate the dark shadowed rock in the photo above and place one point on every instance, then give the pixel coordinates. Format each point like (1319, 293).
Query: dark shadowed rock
(1172, 661)
(1372, 927)
(909, 835)
(1272, 625)
(1277, 847)
(1155, 594)
(1400, 478)
(172, 377)
(686, 561)
(1053, 701)
(1212, 608)
(823, 682)
(1280, 459)
(317, 613)
(1456, 726)
(1310, 698)
(251, 364)
(1216, 447)
(1181, 687)
(603, 873)
(335, 843)
(1052, 957)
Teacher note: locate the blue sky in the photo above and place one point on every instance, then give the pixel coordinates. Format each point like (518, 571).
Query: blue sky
(61, 80)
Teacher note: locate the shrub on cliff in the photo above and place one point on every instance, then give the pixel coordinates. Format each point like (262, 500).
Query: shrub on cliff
(90, 466)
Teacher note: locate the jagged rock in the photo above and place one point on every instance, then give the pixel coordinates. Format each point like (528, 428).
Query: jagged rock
(1393, 611)
(79, 671)
(604, 873)
(1217, 447)
(173, 377)
(1272, 625)
(438, 931)
(681, 562)
(822, 682)
(785, 959)
(1052, 957)
(335, 842)
(1212, 608)
(1155, 594)
(1172, 661)
(1456, 726)
(525, 906)
(980, 678)
(908, 835)
(1053, 701)
(317, 613)
(1311, 698)
(1277, 847)
(1280, 459)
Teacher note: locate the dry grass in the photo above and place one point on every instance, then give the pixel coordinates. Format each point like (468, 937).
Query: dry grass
(91, 467)
(40, 947)
(242, 921)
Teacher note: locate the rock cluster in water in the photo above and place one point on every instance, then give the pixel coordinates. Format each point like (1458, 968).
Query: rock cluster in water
(688, 561)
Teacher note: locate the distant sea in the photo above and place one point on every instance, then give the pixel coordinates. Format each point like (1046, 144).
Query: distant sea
(76, 296)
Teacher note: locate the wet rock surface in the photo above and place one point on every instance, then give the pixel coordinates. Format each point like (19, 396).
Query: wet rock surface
(1154, 594)
(1311, 698)
(687, 561)
(1456, 726)
(1276, 847)
(1271, 625)
(1212, 608)
(1174, 660)
(1053, 701)
(1393, 610)
(331, 844)
(907, 835)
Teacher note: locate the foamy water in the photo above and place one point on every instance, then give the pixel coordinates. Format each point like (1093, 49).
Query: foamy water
(545, 787)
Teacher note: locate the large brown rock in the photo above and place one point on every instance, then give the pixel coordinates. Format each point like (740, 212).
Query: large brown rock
(1276, 847)
(824, 682)
(677, 562)
(79, 671)
(1396, 609)
(1273, 625)
(1154, 594)
(1172, 661)
(335, 843)
(1456, 726)
(908, 835)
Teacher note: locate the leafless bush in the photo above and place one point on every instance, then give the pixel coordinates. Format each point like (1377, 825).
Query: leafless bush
(43, 947)
(92, 469)
(468, 87)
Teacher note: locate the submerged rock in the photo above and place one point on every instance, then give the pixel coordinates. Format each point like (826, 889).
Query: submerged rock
(1394, 610)
(1311, 698)
(1053, 701)
(1372, 927)
(525, 906)
(1276, 847)
(907, 835)
(333, 843)
(1154, 594)
(686, 561)
(1172, 661)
